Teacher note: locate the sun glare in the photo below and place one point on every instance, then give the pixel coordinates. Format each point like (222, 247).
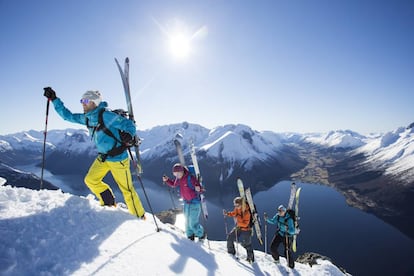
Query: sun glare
(180, 45)
(180, 38)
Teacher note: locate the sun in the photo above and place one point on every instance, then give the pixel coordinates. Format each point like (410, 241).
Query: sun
(180, 38)
(180, 45)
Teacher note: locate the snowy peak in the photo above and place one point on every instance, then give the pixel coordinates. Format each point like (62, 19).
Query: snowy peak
(229, 143)
(240, 142)
(345, 139)
(233, 146)
(76, 141)
(393, 151)
(31, 140)
(158, 141)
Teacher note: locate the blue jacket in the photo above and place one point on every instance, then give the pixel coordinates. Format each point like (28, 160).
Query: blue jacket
(284, 224)
(113, 122)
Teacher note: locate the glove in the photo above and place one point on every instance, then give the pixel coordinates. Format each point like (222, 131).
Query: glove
(49, 93)
(164, 178)
(224, 212)
(197, 189)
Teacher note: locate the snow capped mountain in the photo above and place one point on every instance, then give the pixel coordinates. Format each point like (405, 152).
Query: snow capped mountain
(158, 141)
(233, 143)
(394, 152)
(230, 143)
(345, 139)
(54, 233)
(232, 146)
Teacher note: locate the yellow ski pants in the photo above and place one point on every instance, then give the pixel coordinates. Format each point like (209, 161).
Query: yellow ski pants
(122, 175)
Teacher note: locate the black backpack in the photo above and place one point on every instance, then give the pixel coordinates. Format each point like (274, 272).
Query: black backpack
(292, 215)
(125, 141)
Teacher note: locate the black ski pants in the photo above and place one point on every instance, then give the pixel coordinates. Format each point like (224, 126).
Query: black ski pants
(287, 242)
(244, 238)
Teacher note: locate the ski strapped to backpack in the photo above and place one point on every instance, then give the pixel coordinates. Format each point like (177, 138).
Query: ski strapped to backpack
(254, 218)
(137, 160)
(296, 222)
(120, 145)
(294, 212)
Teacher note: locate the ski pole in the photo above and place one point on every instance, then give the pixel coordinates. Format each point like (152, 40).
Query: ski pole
(287, 249)
(44, 144)
(225, 225)
(205, 227)
(265, 228)
(172, 198)
(171, 195)
(143, 188)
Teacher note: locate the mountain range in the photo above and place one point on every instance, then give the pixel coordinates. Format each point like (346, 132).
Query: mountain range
(374, 172)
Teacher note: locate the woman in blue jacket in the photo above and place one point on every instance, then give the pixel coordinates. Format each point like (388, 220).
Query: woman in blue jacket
(112, 154)
(284, 234)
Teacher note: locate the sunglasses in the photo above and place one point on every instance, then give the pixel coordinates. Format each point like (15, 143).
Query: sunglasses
(85, 101)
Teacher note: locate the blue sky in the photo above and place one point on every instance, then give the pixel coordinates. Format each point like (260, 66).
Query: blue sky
(285, 66)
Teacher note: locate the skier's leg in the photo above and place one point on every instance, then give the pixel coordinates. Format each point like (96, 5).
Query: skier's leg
(246, 242)
(187, 214)
(277, 239)
(289, 253)
(194, 220)
(230, 242)
(93, 180)
(122, 175)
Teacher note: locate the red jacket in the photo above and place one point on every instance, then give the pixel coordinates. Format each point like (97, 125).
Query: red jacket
(187, 193)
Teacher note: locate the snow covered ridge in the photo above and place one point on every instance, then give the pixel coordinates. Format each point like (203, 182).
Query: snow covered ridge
(392, 151)
(53, 233)
(338, 139)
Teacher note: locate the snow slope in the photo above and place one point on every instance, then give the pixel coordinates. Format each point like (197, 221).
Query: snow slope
(54, 233)
(393, 151)
(337, 139)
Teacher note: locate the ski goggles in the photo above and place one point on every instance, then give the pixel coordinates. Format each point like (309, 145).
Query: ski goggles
(85, 101)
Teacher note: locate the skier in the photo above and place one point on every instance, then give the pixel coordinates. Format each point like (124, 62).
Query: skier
(284, 234)
(242, 232)
(189, 189)
(111, 157)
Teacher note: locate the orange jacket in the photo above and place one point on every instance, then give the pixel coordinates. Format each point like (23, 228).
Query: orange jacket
(243, 218)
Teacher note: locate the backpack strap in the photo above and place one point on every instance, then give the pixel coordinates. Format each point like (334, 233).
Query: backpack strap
(189, 183)
(102, 127)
